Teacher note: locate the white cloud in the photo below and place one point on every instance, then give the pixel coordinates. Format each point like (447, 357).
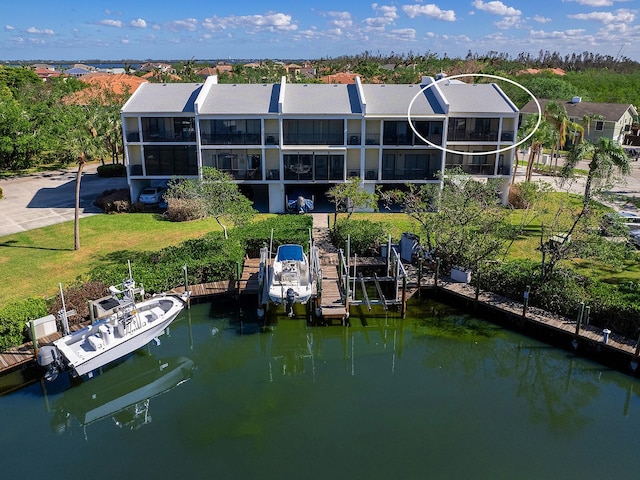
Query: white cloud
(9, 27)
(508, 22)
(46, 31)
(541, 19)
(403, 34)
(190, 24)
(620, 16)
(124, 41)
(138, 23)
(592, 3)
(253, 23)
(110, 23)
(340, 19)
(496, 8)
(430, 10)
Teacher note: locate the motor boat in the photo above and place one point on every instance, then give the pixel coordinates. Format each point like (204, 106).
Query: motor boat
(123, 326)
(290, 279)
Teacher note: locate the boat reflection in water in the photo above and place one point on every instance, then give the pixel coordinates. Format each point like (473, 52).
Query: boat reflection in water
(122, 393)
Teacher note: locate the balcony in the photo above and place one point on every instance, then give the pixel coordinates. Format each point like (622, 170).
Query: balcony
(169, 137)
(402, 139)
(313, 139)
(237, 138)
(459, 136)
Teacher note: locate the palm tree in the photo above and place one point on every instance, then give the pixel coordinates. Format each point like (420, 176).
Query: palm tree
(557, 116)
(608, 158)
(82, 144)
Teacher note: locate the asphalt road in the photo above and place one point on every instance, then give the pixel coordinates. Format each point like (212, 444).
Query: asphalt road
(47, 198)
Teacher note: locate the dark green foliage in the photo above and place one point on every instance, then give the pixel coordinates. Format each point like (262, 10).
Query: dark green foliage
(112, 170)
(208, 259)
(366, 236)
(286, 229)
(616, 307)
(14, 318)
(76, 298)
(1, 195)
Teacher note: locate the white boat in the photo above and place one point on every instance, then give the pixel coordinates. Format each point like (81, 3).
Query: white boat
(290, 278)
(125, 326)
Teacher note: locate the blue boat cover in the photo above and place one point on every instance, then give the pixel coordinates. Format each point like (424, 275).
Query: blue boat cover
(289, 252)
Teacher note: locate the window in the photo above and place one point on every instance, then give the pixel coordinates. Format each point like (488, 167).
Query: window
(599, 125)
(169, 160)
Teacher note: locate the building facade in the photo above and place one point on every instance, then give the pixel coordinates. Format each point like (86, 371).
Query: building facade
(282, 140)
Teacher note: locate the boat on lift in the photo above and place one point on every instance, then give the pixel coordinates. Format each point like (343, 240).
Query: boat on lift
(123, 325)
(290, 278)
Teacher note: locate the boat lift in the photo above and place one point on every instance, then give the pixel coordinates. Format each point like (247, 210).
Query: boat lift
(264, 274)
(350, 278)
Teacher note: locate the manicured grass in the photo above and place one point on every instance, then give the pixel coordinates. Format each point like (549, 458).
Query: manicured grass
(36, 261)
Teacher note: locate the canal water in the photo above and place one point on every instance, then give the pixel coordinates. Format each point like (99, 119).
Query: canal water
(438, 395)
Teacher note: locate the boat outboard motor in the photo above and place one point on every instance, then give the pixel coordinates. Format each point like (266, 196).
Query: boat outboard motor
(291, 298)
(49, 358)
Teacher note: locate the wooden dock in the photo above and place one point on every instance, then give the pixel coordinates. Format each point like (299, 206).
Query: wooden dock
(331, 305)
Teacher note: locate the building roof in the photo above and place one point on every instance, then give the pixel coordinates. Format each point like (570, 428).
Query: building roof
(344, 78)
(101, 83)
(393, 99)
(475, 98)
(242, 98)
(611, 112)
(319, 99)
(163, 98)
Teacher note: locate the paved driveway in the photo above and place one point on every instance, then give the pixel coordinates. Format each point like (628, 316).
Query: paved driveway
(47, 198)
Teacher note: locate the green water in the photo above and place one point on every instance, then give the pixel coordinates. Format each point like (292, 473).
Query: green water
(437, 395)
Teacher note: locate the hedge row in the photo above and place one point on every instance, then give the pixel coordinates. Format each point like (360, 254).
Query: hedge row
(210, 258)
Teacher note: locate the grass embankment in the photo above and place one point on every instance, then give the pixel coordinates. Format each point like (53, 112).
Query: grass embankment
(36, 261)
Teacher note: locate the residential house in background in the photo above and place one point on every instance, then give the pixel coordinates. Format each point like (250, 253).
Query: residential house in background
(280, 140)
(612, 120)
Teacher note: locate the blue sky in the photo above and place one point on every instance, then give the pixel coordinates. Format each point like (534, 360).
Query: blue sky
(309, 29)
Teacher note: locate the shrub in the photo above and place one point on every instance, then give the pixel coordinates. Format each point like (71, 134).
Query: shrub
(185, 210)
(1, 193)
(14, 318)
(366, 236)
(112, 170)
(114, 201)
(76, 298)
(286, 229)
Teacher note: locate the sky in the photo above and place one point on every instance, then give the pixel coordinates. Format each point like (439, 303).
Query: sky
(309, 29)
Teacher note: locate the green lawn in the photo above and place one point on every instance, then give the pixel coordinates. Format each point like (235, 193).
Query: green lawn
(36, 261)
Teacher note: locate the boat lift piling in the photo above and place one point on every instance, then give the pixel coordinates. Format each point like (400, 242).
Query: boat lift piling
(350, 276)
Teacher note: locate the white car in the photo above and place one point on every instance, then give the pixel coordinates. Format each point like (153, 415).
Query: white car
(151, 195)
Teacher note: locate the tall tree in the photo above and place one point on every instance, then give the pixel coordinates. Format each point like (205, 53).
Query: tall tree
(216, 194)
(607, 161)
(349, 196)
(83, 145)
(463, 224)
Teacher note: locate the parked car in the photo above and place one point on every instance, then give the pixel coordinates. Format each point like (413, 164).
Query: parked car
(151, 195)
